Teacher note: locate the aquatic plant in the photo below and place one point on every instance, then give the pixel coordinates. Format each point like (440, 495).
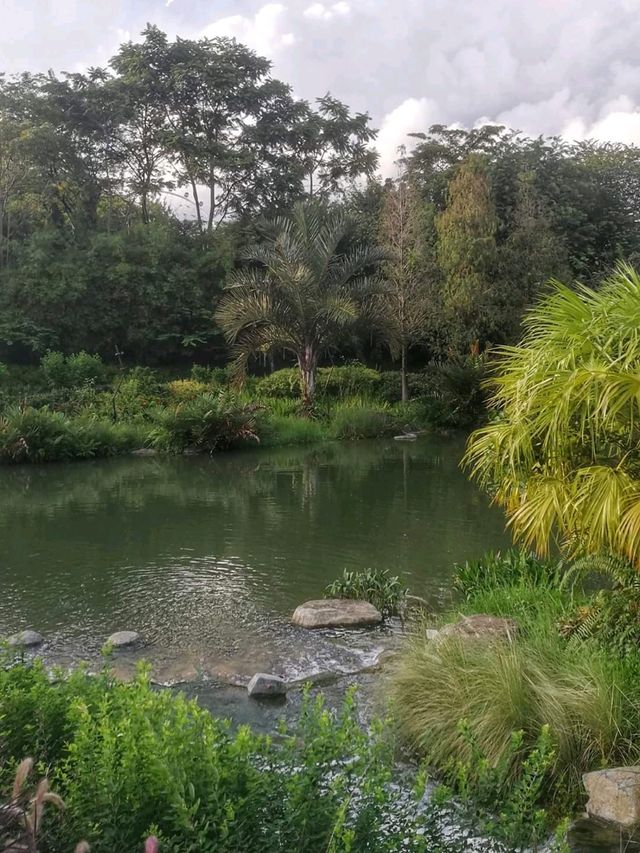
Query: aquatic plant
(388, 593)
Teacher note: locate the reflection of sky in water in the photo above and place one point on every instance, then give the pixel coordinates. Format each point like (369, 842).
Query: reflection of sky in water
(211, 555)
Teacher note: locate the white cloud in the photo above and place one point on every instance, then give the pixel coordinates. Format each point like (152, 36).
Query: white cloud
(264, 32)
(325, 13)
(412, 116)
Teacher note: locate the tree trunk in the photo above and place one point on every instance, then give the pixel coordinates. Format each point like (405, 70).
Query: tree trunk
(307, 362)
(403, 375)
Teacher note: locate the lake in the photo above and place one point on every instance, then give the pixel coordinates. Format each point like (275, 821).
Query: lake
(207, 557)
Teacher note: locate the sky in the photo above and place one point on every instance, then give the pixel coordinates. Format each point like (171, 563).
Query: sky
(569, 67)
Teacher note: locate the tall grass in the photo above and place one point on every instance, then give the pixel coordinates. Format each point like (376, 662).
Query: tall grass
(289, 430)
(360, 417)
(588, 700)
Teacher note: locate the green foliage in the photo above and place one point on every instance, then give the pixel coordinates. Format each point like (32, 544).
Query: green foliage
(4, 372)
(361, 418)
(333, 382)
(505, 796)
(611, 615)
(511, 568)
(561, 453)
(40, 435)
(388, 593)
(128, 761)
(304, 288)
(210, 375)
(207, 423)
(282, 430)
(72, 371)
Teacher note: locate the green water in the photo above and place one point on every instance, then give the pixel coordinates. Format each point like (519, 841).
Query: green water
(207, 557)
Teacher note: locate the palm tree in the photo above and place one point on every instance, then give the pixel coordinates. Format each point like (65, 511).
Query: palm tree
(563, 453)
(298, 292)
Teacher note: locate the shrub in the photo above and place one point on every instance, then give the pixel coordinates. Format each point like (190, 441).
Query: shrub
(420, 385)
(4, 371)
(207, 423)
(210, 375)
(335, 382)
(386, 592)
(72, 371)
(186, 389)
(281, 383)
(359, 418)
(129, 761)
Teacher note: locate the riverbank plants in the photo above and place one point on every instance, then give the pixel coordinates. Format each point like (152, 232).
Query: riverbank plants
(388, 593)
(129, 761)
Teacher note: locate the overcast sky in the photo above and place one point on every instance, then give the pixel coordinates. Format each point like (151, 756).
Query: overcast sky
(567, 67)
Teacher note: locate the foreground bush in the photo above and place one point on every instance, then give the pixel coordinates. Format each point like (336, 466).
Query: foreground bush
(71, 371)
(129, 761)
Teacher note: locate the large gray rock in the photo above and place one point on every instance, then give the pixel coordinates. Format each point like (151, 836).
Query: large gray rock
(263, 684)
(336, 613)
(480, 627)
(614, 795)
(123, 639)
(26, 639)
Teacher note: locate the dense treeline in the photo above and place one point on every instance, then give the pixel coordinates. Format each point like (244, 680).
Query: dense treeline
(128, 195)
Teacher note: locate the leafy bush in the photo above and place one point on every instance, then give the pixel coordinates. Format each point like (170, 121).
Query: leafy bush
(186, 389)
(207, 423)
(505, 796)
(210, 375)
(335, 382)
(420, 385)
(39, 435)
(129, 761)
(72, 371)
(360, 418)
(4, 371)
(611, 615)
(388, 593)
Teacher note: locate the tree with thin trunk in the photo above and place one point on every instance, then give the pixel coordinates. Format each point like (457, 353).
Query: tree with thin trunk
(403, 304)
(300, 289)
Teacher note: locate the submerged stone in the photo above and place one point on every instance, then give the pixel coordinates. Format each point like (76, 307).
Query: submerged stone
(144, 451)
(263, 684)
(614, 795)
(407, 436)
(122, 639)
(480, 627)
(26, 639)
(336, 613)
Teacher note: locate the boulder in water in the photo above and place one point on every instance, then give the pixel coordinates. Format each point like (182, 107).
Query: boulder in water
(336, 613)
(263, 684)
(123, 639)
(614, 795)
(26, 639)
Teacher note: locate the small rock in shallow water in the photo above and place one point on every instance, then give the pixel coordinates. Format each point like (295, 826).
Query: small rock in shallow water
(144, 451)
(614, 795)
(122, 639)
(407, 436)
(263, 684)
(26, 639)
(336, 613)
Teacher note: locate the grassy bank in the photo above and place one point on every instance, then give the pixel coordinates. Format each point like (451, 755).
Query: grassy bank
(76, 408)
(548, 682)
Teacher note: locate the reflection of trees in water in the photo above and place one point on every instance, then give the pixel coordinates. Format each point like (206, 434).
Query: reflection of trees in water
(333, 498)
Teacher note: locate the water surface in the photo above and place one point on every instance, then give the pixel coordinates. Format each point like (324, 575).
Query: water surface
(207, 557)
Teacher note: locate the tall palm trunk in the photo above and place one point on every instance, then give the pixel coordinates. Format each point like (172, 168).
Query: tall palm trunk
(307, 363)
